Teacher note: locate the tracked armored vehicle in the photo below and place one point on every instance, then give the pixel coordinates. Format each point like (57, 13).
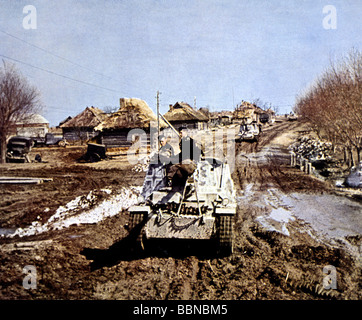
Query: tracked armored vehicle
(249, 132)
(203, 207)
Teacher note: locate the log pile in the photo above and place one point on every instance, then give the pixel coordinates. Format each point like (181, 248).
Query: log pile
(312, 149)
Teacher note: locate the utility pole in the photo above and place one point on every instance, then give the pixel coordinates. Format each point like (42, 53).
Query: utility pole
(158, 115)
(233, 98)
(195, 103)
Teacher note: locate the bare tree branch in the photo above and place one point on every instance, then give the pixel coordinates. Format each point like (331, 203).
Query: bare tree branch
(18, 100)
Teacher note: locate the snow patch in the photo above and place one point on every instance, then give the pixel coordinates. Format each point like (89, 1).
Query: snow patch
(83, 210)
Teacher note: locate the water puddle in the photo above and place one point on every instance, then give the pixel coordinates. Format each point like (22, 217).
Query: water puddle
(277, 220)
(330, 215)
(331, 218)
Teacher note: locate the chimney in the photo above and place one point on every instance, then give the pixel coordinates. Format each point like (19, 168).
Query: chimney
(171, 107)
(122, 102)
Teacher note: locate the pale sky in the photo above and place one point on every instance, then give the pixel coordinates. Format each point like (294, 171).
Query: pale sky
(91, 53)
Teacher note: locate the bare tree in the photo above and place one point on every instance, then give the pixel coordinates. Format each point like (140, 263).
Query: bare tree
(18, 99)
(265, 105)
(333, 104)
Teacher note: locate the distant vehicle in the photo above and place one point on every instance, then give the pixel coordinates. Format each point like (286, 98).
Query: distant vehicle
(264, 118)
(49, 140)
(18, 149)
(292, 117)
(249, 132)
(267, 118)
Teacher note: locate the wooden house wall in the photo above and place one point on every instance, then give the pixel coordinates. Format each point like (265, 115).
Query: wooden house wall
(198, 125)
(76, 134)
(118, 138)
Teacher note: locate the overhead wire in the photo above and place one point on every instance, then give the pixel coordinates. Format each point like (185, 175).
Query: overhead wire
(64, 59)
(55, 55)
(57, 74)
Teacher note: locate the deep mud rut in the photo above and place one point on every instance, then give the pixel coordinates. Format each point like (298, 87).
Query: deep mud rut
(97, 261)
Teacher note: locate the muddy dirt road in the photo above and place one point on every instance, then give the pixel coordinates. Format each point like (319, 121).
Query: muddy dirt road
(277, 254)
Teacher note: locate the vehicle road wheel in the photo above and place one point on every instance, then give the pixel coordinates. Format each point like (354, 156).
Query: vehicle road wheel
(61, 143)
(94, 157)
(137, 231)
(225, 234)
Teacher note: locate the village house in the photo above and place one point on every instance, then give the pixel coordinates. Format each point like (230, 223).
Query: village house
(64, 121)
(81, 127)
(181, 114)
(34, 125)
(247, 113)
(133, 114)
(221, 117)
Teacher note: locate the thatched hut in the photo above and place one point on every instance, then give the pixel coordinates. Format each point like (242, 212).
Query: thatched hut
(133, 114)
(82, 126)
(247, 112)
(181, 114)
(221, 117)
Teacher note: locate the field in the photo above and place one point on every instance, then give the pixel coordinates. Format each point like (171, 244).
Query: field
(277, 253)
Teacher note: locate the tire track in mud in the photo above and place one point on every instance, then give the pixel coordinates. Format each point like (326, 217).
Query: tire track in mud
(183, 278)
(276, 260)
(190, 279)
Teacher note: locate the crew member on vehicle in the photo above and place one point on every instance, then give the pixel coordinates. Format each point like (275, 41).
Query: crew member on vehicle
(184, 162)
(166, 152)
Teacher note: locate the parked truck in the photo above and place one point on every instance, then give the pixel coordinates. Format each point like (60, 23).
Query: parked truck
(18, 149)
(50, 140)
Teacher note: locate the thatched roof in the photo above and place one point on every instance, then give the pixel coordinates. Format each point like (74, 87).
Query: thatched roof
(182, 111)
(89, 118)
(133, 113)
(246, 110)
